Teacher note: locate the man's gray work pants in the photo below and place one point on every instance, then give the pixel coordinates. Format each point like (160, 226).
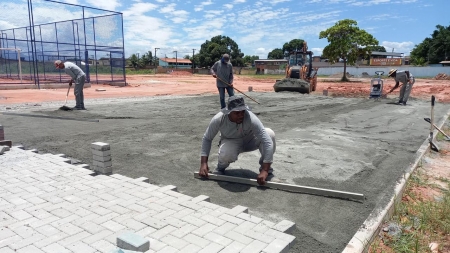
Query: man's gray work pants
(405, 91)
(229, 150)
(78, 91)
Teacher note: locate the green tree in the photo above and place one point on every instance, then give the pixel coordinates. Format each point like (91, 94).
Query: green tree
(346, 41)
(147, 59)
(295, 44)
(250, 59)
(187, 57)
(434, 49)
(134, 61)
(212, 51)
(277, 53)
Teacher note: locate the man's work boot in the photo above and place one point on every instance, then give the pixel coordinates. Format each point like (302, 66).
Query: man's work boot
(218, 171)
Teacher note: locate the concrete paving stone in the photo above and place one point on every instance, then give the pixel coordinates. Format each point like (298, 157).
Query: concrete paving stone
(191, 205)
(74, 238)
(65, 220)
(164, 214)
(133, 224)
(20, 215)
(237, 210)
(193, 220)
(191, 248)
(72, 199)
(26, 241)
(55, 248)
(85, 218)
(280, 235)
(35, 222)
(193, 239)
(91, 227)
(168, 249)
(6, 233)
(254, 247)
(102, 146)
(6, 220)
(260, 236)
(140, 194)
(249, 217)
(182, 199)
(155, 207)
(118, 209)
(6, 250)
(8, 241)
(70, 229)
(126, 216)
(212, 248)
(145, 231)
(114, 202)
(167, 188)
(158, 234)
(29, 249)
(101, 211)
(155, 244)
(156, 193)
(219, 239)
(234, 247)
(26, 222)
(129, 185)
(132, 241)
(103, 158)
(103, 218)
(238, 237)
(284, 226)
(175, 194)
(103, 246)
(175, 242)
(263, 226)
(201, 198)
(102, 169)
(97, 236)
(143, 215)
(208, 205)
(244, 227)
(184, 230)
(173, 221)
(101, 153)
(164, 200)
(173, 206)
(225, 228)
(277, 246)
(136, 207)
(47, 230)
(60, 212)
(231, 219)
(16, 201)
(205, 229)
(140, 179)
(113, 226)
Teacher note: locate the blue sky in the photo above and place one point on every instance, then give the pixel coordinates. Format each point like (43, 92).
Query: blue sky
(257, 26)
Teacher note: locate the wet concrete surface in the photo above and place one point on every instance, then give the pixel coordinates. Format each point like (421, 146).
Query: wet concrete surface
(348, 144)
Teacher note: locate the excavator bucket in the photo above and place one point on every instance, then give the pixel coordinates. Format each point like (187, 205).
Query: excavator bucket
(292, 84)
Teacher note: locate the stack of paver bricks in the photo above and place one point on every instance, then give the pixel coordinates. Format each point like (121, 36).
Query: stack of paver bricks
(101, 158)
(48, 205)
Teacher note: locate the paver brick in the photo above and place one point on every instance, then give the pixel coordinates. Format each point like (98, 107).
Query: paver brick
(29, 249)
(164, 214)
(244, 227)
(7, 250)
(248, 217)
(231, 219)
(184, 230)
(237, 210)
(234, 247)
(6, 233)
(74, 238)
(201, 242)
(201, 198)
(193, 220)
(223, 229)
(155, 244)
(238, 237)
(174, 222)
(113, 226)
(219, 239)
(284, 226)
(103, 246)
(26, 241)
(50, 239)
(101, 158)
(133, 224)
(155, 223)
(163, 232)
(98, 236)
(203, 230)
(132, 241)
(47, 230)
(145, 231)
(260, 236)
(191, 248)
(183, 213)
(55, 248)
(175, 242)
(101, 146)
(254, 247)
(20, 215)
(279, 235)
(277, 246)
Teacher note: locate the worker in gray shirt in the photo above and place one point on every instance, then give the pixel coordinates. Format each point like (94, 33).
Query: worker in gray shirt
(407, 80)
(223, 71)
(240, 131)
(77, 75)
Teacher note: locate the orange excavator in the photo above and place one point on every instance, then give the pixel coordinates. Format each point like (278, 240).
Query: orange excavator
(300, 74)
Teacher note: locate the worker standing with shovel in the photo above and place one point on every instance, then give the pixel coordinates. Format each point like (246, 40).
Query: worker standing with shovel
(223, 71)
(78, 76)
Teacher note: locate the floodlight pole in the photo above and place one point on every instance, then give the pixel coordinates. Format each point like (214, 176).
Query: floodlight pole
(193, 67)
(176, 59)
(156, 48)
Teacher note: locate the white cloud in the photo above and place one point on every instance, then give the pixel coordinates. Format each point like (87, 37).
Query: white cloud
(238, 1)
(177, 16)
(139, 9)
(161, 1)
(105, 4)
(317, 50)
(202, 5)
(228, 6)
(399, 47)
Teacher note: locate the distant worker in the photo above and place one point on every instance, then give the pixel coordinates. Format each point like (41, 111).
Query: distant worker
(223, 71)
(77, 75)
(407, 80)
(240, 131)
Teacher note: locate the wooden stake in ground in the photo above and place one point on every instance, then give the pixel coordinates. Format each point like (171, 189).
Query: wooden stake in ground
(287, 187)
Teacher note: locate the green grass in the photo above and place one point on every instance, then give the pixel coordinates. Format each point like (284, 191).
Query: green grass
(139, 71)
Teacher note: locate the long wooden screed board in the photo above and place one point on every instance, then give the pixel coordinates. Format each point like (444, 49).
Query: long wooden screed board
(287, 187)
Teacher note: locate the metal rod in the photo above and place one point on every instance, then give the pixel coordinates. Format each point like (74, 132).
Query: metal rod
(287, 187)
(48, 117)
(83, 6)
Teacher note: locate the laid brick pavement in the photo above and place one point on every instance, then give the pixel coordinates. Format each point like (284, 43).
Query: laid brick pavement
(48, 205)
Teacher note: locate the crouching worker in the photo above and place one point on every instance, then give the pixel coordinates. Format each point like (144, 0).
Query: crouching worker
(240, 131)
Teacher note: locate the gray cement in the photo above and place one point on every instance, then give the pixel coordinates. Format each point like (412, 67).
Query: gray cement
(356, 145)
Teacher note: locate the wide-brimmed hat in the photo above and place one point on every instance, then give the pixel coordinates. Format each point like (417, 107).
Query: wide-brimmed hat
(392, 71)
(235, 103)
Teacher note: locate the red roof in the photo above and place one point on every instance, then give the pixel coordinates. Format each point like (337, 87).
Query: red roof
(173, 60)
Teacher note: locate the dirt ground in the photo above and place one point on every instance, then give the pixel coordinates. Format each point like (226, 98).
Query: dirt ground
(334, 142)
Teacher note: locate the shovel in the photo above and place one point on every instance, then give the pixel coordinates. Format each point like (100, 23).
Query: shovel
(64, 107)
(446, 137)
(433, 145)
